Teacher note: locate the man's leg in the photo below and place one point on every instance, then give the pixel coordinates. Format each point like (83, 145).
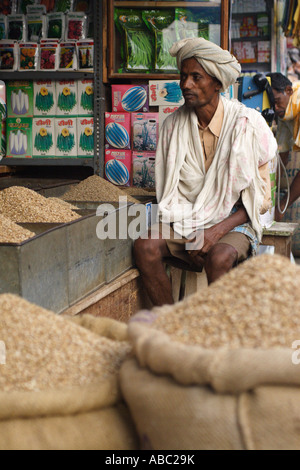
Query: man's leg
(220, 259)
(149, 256)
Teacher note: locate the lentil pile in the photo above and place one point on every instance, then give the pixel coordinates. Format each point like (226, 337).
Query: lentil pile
(96, 189)
(22, 205)
(13, 233)
(256, 305)
(45, 351)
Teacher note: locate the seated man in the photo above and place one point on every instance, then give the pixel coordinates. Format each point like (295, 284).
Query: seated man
(287, 109)
(207, 174)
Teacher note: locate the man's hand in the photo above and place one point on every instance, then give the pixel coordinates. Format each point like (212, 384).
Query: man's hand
(211, 236)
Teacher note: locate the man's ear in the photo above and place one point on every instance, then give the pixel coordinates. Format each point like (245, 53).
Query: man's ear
(289, 90)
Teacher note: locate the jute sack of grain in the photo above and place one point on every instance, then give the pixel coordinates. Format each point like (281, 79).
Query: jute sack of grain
(216, 371)
(60, 382)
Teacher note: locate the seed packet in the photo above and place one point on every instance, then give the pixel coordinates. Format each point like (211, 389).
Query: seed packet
(3, 27)
(44, 100)
(195, 23)
(130, 98)
(85, 54)
(35, 27)
(56, 26)
(118, 167)
(19, 137)
(3, 109)
(138, 51)
(29, 54)
(49, 5)
(165, 92)
(161, 24)
(8, 7)
(49, 56)
(43, 137)
(8, 56)
(117, 131)
(64, 5)
(143, 164)
(66, 137)
(85, 129)
(76, 26)
(83, 5)
(16, 27)
(144, 131)
(67, 98)
(2, 139)
(85, 97)
(67, 56)
(23, 4)
(19, 98)
(36, 10)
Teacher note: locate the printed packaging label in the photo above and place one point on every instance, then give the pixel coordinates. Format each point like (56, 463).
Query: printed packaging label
(44, 98)
(130, 98)
(164, 112)
(117, 131)
(85, 130)
(43, 140)
(143, 169)
(165, 92)
(19, 137)
(67, 98)
(118, 167)
(85, 89)
(19, 98)
(66, 137)
(144, 131)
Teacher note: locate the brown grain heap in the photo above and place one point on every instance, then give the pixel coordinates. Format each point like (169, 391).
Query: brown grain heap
(45, 351)
(63, 203)
(96, 189)
(13, 233)
(22, 205)
(256, 305)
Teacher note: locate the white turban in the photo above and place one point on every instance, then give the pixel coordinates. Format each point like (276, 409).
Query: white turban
(216, 61)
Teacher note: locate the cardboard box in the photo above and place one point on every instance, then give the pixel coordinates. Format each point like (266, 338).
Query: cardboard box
(43, 137)
(85, 130)
(66, 137)
(19, 137)
(143, 169)
(144, 127)
(165, 92)
(67, 98)
(44, 98)
(19, 98)
(117, 131)
(130, 98)
(118, 167)
(164, 112)
(85, 91)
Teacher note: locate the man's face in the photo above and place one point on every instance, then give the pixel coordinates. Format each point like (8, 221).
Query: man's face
(281, 100)
(198, 88)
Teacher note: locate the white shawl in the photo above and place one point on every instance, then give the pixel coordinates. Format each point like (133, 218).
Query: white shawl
(246, 142)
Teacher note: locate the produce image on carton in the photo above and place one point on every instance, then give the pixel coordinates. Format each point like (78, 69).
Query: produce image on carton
(44, 99)
(85, 97)
(117, 130)
(143, 169)
(2, 139)
(19, 138)
(130, 98)
(67, 98)
(43, 140)
(19, 98)
(118, 165)
(164, 92)
(85, 129)
(144, 131)
(66, 137)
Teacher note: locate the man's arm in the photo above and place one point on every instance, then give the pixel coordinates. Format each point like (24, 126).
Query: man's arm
(294, 195)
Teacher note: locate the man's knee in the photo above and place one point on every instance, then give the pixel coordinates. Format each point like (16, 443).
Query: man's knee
(221, 257)
(146, 252)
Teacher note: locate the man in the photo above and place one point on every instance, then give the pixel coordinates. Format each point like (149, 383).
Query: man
(287, 108)
(207, 173)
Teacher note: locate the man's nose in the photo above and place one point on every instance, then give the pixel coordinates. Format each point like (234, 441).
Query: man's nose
(186, 84)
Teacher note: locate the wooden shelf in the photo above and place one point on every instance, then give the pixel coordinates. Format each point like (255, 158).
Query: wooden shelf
(165, 4)
(47, 162)
(46, 75)
(252, 38)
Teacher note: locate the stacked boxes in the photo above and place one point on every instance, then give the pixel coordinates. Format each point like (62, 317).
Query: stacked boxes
(2, 120)
(50, 119)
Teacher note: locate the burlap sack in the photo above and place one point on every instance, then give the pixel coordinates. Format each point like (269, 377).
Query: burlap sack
(92, 417)
(186, 397)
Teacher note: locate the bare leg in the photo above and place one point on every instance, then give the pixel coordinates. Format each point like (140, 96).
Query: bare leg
(220, 260)
(149, 256)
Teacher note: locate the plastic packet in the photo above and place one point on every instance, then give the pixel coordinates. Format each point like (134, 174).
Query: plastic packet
(56, 26)
(85, 53)
(76, 26)
(3, 27)
(8, 7)
(8, 56)
(23, 4)
(36, 10)
(195, 23)
(49, 56)
(16, 27)
(29, 54)
(35, 27)
(67, 56)
(137, 52)
(161, 23)
(3, 108)
(49, 5)
(64, 6)
(83, 5)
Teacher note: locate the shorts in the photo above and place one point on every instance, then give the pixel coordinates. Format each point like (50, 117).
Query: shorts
(177, 247)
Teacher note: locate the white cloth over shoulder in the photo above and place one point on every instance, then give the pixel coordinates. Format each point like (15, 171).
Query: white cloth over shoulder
(216, 61)
(245, 143)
